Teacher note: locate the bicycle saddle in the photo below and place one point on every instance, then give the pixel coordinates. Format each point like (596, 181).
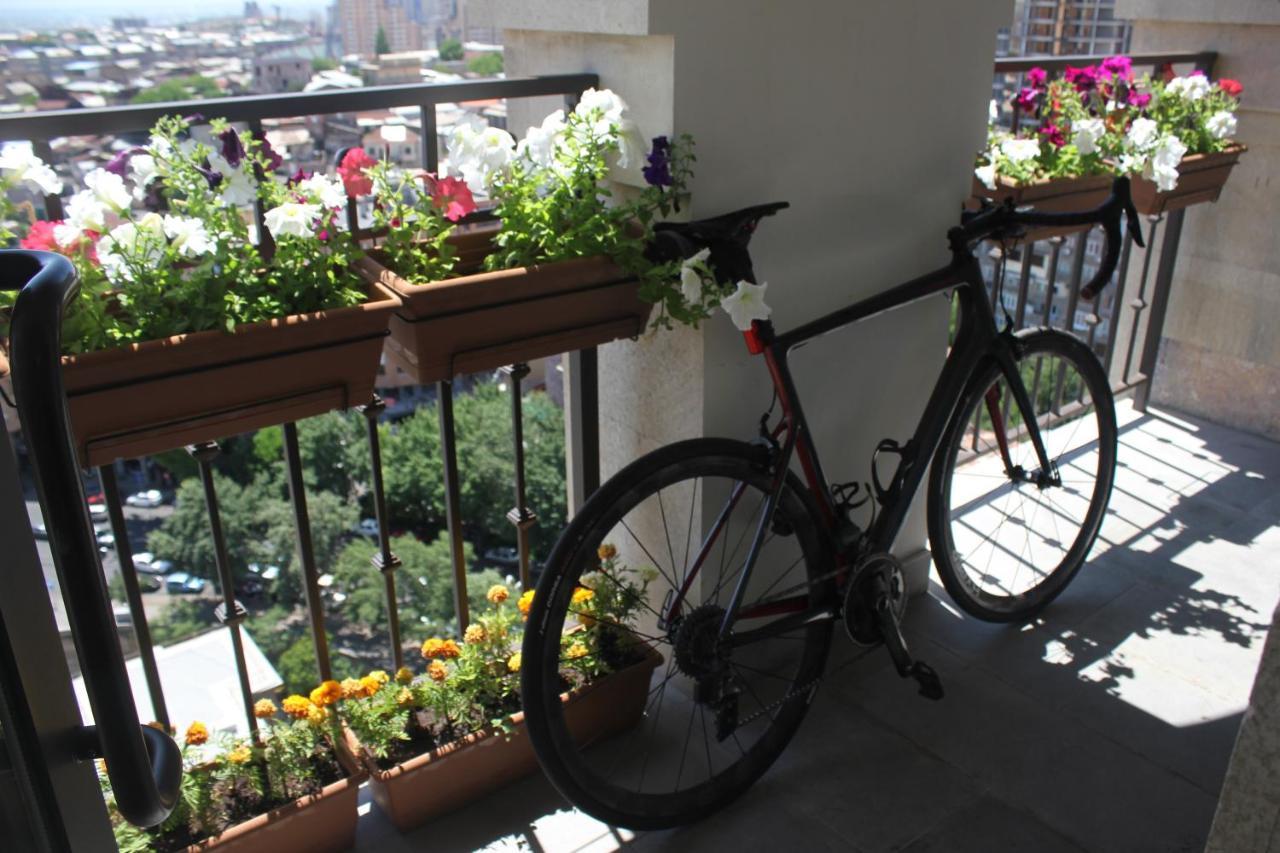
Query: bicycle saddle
(726, 235)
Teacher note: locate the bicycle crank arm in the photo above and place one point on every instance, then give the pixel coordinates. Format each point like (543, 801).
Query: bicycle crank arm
(907, 666)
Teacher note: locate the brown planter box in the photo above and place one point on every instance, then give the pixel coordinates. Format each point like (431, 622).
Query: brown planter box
(484, 320)
(1200, 179)
(160, 395)
(1057, 195)
(455, 775)
(323, 823)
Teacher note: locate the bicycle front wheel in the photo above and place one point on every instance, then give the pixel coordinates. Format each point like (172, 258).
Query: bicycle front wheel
(1006, 535)
(648, 568)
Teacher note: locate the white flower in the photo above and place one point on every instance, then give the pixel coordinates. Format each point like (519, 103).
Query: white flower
(130, 245)
(19, 163)
(143, 169)
(746, 304)
(66, 235)
(540, 143)
(1163, 165)
(238, 185)
(1221, 125)
(109, 189)
(1130, 163)
(1087, 133)
(993, 112)
(327, 192)
(605, 105)
(987, 174)
(86, 213)
(291, 218)
(477, 151)
(188, 236)
(691, 277)
(631, 145)
(1018, 150)
(1142, 133)
(1193, 87)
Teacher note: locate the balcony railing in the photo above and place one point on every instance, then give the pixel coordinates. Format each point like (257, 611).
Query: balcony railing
(1039, 298)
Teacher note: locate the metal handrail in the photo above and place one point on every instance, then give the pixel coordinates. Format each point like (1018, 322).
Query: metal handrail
(143, 764)
(1017, 64)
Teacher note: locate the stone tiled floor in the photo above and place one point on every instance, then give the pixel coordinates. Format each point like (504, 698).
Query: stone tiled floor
(1105, 725)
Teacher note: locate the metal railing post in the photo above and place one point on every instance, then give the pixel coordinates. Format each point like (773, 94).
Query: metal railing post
(521, 516)
(1159, 306)
(306, 550)
(581, 426)
(453, 502)
(384, 561)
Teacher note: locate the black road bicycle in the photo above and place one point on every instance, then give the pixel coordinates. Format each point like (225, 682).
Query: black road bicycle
(754, 563)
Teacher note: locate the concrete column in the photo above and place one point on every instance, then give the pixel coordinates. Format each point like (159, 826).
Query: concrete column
(866, 117)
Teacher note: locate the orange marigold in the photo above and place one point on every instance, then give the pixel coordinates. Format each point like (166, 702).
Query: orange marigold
(526, 602)
(513, 662)
(581, 595)
(404, 675)
(196, 734)
(351, 689)
(606, 551)
(326, 694)
(297, 706)
(379, 676)
(438, 671)
(438, 649)
(240, 755)
(317, 715)
(370, 685)
(404, 697)
(264, 708)
(474, 634)
(577, 650)
(498, 593)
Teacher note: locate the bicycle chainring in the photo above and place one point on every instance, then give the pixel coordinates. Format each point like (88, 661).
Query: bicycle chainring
(875, 575)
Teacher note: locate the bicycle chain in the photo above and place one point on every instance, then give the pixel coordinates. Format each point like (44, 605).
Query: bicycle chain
(765, 709)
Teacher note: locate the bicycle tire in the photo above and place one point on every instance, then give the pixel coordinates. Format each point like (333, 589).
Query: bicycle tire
(994, 595)
(570, 768)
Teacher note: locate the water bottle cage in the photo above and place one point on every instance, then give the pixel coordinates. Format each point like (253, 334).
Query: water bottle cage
(887, 445)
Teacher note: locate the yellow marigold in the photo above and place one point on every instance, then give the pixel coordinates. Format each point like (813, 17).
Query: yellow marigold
(196, 734)
(264, 708)
(297, 706)
(317, 715)
(586, 620)
(606, 552)
(379, 676)
(326, 694)
(240, 755)
(498, 593)
(438, 671)
(370, 685)
(404, 675)
(526, 602)
(351, 689)
(513, 662)
(102, 766)
(474, 634)
(404, 697)
(577, 650)
(438, 649)
(581, 595)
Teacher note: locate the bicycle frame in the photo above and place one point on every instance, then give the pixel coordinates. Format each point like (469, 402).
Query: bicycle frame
(977, 340)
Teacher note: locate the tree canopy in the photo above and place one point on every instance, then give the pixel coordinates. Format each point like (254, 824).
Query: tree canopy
(190, 88)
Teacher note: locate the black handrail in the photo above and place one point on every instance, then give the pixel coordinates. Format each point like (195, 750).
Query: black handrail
(143, 764)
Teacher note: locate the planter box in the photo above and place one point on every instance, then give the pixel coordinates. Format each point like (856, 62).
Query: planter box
(448, 778)
(160, 395)
(322, 823)
(1200, 179)
(1057, 195)
(484, 320)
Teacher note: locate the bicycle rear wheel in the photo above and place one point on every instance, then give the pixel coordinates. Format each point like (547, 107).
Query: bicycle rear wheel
(714, 717)
(1006, 536)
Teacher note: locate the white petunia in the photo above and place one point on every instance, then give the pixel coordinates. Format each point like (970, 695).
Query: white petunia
(109, 189)
(66, 235)
(746, 304)
(86, 213)
(631, 144)
(20, 164)
(477, 151)
(605, 105)
(238, 186)
(1221, 125)
(540, 143)
(131, 245)
(1087, 133)
(188, 236)
(291, 218)
(143, 169)
(987, 174)
(1193, 87)
(1130, 163)
(691, 277)
(993, 112)
(1142, 134)
(1018, 150)
(1163, 165)
(328, 192)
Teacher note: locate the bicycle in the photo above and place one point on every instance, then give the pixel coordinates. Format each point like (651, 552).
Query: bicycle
(1020, 428)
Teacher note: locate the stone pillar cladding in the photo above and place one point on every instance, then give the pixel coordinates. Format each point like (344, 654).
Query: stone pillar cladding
(866, 117)
(1220, 355)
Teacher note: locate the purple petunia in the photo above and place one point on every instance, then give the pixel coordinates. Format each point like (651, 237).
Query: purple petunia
(658, 172)
(1054, 135)
(1084, 79)
(1025, 100)
(213, 176)
(1139, 99)
(120, 163)
(297, 177)
(1118, 67)
(232, 147)
(1037, 77)
(273, 159)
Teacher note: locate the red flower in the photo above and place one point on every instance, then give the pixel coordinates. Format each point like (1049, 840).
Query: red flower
(451, 195)
(40, 237)
(1231, 87)
(352, 171)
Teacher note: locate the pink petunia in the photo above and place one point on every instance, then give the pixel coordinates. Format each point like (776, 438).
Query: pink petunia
(1118, 67)
(353, 171)
(452, 196)
(1037, 77)
(41, 238)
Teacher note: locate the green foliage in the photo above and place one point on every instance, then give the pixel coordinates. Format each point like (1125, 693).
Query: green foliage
(415, 228)
(378, 720)
(181, 619)
(451, 50)
(486, 64)
(323, 63)
(190, 88)
(380, 43)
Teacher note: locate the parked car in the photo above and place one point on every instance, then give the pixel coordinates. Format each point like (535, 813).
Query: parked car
(367, 527)
(143, 560)
(154, 567)
(180, 583)
(97, 510)
(147, 583)
(105, 538)
(506, 557)
(147, 499)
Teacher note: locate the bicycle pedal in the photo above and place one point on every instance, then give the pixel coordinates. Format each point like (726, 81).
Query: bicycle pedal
(927, 678)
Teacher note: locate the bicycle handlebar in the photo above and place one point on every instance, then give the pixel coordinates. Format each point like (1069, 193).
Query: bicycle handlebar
(994, 220)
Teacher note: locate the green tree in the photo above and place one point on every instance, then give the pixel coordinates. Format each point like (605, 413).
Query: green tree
(486, 64)
(183, 618)
(380, 43)
(451, 50)
(193, 87)
(323, 63)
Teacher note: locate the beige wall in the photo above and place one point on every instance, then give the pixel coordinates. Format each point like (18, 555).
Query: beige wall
(864, 116)
(1220, 354)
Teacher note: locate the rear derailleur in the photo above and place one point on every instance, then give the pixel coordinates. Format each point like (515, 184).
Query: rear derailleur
(874, 603)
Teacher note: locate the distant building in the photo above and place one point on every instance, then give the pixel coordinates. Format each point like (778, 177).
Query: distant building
(287, 70)
(359, 22)
(391, 69)
(1065, 27)
(133, 22)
